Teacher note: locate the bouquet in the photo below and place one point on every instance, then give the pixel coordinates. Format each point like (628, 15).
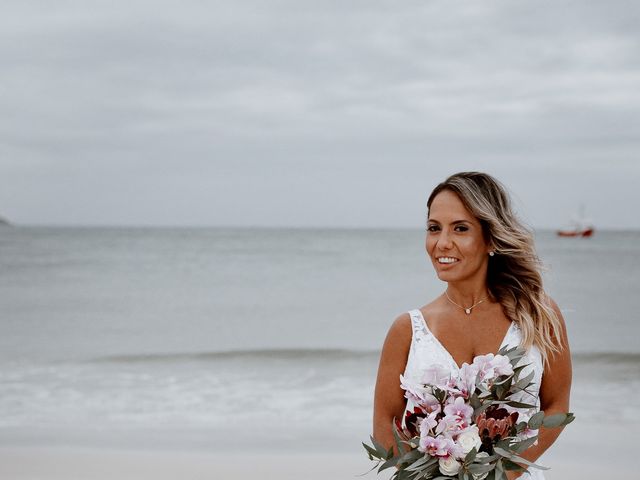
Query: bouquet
(469, 427)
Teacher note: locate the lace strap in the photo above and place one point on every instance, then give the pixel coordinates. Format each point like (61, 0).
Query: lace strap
(416, 323)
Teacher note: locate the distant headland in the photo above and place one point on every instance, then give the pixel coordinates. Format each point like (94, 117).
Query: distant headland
(4, 222)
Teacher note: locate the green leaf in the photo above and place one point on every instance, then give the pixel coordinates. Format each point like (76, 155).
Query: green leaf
(471, 455)
(365, 473)
(379, 447)
(477, 468)
(524, 382)
(389, 463)
(509, 465)
(558, 420)
(516, 404)
(488, 459)
(523, 445)
(474, 401)
(410, 457)
(514, 457)
(371, 451)
(536, 420)
(481, 409)
(397, 438)
(421, 462)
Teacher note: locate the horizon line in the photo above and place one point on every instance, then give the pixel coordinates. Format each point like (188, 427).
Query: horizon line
(267, 227)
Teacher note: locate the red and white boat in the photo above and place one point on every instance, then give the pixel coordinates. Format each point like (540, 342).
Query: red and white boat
(582, 232)
(581, 227)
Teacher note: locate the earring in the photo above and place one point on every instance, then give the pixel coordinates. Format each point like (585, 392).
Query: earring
(491, 253)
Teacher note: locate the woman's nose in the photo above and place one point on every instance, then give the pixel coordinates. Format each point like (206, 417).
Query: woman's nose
(444, 241)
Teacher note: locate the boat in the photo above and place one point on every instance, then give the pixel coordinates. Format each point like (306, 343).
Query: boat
(581, 227)
(582, 232)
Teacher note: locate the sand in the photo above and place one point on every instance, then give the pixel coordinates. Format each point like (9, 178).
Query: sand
(63, 463)
(582, 452)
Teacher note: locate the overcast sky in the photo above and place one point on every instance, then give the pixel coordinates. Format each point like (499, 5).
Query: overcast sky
(315, 113)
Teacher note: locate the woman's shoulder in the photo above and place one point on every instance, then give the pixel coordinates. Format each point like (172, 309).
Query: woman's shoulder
(402, 325)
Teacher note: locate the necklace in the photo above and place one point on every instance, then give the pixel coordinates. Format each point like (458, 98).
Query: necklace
(466, 310)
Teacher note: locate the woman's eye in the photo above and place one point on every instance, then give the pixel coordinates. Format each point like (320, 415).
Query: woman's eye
(432, 228)
(462, 228)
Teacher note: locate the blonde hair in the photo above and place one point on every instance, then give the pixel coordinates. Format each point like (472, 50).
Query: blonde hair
(514, 276)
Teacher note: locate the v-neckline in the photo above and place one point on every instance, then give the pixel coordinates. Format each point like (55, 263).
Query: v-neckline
(442, 347)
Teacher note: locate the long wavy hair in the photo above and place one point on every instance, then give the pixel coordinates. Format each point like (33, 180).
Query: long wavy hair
(514, 275)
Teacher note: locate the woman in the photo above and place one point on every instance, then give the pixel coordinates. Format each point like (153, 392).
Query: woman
(494, 292)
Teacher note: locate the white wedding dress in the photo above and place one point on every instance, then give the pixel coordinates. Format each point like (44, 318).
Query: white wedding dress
(427, 350)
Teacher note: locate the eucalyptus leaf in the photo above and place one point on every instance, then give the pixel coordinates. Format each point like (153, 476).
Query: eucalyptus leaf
(502, 444)
(523, 445)
(488, 459)
(471, 455)
(420, 463)
(509, 465)
(411, 456)
(516, 458)
(481, 409)
(513, 403)
(389, 463)
(397, 438)
(558, 419)
(536, 420)
(372, 452)
(478, 468)
(524, 382)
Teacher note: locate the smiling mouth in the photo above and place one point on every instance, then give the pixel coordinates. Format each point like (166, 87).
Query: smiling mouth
(447, 260)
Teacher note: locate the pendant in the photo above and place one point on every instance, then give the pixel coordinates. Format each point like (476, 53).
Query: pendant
(467, 311)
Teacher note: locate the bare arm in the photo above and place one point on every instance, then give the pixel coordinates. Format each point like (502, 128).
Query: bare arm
(389, 398)
(554, 395)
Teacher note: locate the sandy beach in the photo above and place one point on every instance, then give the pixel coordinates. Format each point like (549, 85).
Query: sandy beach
(576, 455)
(57, 463)
(91, 464)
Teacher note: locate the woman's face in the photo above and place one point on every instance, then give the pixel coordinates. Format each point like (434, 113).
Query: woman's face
(455, 243)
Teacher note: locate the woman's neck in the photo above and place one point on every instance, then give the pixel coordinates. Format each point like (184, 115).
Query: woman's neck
(467, 295)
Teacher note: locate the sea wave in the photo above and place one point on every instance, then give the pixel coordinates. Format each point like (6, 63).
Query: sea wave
(255, 354)
(587, 358)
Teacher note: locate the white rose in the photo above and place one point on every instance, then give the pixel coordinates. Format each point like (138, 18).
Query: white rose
(449, 465)
(469, 439)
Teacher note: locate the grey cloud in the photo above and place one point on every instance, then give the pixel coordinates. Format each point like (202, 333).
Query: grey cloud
(193, 101)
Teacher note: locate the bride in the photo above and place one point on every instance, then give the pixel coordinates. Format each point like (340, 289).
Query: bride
(494, 292)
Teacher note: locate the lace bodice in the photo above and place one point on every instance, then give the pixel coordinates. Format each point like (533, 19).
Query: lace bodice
(427, 350)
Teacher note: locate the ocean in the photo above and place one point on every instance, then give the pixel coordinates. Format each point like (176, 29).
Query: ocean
(216, 338)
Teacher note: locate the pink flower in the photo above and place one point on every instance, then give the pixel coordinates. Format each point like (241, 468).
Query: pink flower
(436, 375)
(502, 365)
(459, 409)
(450, 425)
(417, 393)
(428, 422)
(466, 383)
(490, 366)
(436, 446)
